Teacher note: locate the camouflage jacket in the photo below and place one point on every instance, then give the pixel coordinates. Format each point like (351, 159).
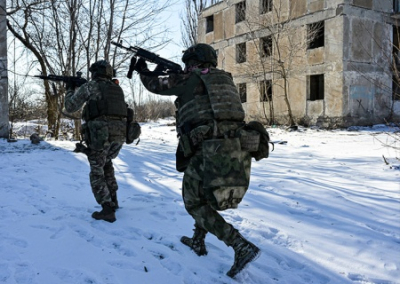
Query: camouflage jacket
(174, 85)
(74, 100)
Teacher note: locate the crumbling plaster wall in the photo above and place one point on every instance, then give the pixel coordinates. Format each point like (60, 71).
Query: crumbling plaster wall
(367, 55)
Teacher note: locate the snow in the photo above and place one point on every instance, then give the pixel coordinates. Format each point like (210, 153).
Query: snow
(323, 208)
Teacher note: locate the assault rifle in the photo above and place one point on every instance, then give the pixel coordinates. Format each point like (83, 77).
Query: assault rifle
(77, 81)
(163, 65)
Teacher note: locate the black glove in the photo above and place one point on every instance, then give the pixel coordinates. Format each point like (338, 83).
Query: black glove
(131, 67)
(80, 148)
(70, 85)
(159, 68)
(133, 62)
(140, 65)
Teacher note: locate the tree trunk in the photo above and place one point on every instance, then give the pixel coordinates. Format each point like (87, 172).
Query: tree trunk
(50, 100)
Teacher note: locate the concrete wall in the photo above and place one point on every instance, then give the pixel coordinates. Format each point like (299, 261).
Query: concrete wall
(367, 56)
(4, 126)
(348, 55)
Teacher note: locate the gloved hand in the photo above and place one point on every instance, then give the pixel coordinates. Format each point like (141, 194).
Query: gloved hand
(133, 62)
(70, 85)
(80, 148)
(140, 65)
(159, 68)
(131, 67)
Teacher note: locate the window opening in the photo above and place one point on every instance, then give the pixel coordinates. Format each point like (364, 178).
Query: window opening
(240, 11)
(210, 24)
(266, 46)
(265, 90)
(316, 87)
(265, 6)
(316, 35)
(241, 52)
(242, 88)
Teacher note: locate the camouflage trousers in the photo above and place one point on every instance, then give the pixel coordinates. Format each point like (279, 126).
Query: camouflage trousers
(102, 177)
(198, 206)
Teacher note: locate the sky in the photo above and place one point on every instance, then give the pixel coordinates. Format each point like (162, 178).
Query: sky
(172, 15)
(323, 208)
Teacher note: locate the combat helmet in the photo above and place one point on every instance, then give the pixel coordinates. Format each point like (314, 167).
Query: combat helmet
(202, 53)
(101, 68)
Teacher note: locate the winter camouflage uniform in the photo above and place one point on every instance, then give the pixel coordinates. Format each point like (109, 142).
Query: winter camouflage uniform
(104, 136)
(194, 196)
(209, 113)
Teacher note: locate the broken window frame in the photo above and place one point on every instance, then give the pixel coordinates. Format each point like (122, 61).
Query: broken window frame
(316, 35)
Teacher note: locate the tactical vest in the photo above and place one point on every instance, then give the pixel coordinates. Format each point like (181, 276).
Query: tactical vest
(222, 101)
(111, 102)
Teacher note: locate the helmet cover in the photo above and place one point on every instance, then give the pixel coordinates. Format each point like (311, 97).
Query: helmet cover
(101, 68)
(202, 53)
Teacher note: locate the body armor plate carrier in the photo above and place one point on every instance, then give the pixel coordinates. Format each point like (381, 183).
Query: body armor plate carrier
(111, 103)
(221, 103)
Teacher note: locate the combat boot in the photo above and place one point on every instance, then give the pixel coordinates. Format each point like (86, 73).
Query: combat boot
(114, 200)
(106, 214)
(196, 243)
(245, 252)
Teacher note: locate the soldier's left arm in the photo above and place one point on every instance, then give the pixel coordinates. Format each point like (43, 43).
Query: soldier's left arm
(74, 100)
(171, 85)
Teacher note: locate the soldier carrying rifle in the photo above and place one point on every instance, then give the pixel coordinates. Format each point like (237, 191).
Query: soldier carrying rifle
(215, 145)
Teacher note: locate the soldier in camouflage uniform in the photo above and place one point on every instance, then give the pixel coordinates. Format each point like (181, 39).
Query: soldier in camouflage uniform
(209, 112)
(104, 132)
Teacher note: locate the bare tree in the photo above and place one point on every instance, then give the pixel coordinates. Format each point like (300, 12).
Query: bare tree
(65, 36)
(189, 20)
(21, 15)
(280, 44)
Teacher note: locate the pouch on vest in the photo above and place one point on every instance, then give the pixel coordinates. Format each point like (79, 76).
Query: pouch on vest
(116, 131)
(182, 162)
(263, 147)
(249, 139)
(226, 172)
(186, 145)
(133, 129)
(98, 131)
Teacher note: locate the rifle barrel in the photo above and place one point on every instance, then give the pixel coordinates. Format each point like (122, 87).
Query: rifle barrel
(131, 48)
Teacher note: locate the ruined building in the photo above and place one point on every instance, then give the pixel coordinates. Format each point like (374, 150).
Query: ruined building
(315, 62)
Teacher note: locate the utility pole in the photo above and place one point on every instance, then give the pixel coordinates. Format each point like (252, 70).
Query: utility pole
(4, 115)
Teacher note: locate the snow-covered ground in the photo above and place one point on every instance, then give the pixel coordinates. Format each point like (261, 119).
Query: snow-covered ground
(324, 208)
